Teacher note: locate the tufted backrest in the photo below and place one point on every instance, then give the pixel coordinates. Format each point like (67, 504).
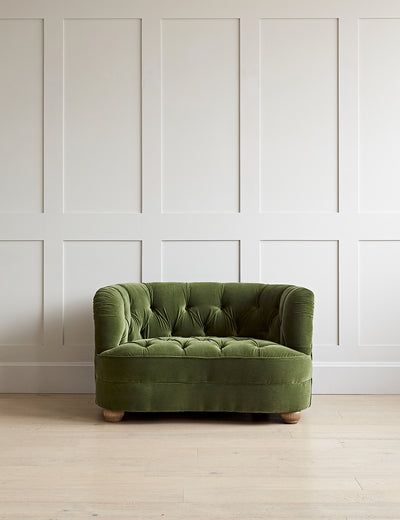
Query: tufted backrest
(132, 311)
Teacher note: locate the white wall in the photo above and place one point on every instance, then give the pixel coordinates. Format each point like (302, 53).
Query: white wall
(249, 140)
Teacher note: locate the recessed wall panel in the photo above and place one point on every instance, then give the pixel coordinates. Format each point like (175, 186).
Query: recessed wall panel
(21, 116)
(102, 127)
(89, 265)
(200, 261)
(299, 114)
(310, 264)
(21, 282)
(379, 115)
(200, 103)
(379, 286)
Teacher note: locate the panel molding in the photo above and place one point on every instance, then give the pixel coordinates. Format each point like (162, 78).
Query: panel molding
(20, 125)
(21, 316)
(250, 146)
(311, 142)
(135, 154)
(293, 279)
(353, 367)
(175, 132)
(360, 343)
(384, 100)
(206, 243)
(83, 344)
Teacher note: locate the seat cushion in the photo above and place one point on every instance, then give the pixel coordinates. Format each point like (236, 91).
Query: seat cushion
(203, 359)
(201, 346)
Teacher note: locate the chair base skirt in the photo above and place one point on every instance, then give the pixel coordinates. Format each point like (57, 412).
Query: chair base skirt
(203, 397)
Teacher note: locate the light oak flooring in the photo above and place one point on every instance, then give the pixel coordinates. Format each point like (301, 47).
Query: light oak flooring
(59, 460)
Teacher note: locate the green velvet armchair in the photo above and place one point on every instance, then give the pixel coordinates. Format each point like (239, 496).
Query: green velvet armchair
(240, 347)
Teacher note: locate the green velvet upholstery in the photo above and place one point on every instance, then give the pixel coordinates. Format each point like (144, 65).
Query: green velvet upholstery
(203, 346)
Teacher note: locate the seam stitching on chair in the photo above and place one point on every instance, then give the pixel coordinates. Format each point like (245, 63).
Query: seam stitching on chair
(205, 357)
(124, 294)
(203, 382)
(282, 307)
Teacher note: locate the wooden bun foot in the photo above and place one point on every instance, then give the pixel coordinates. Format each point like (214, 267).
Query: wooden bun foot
(291, 417)
(112, 415)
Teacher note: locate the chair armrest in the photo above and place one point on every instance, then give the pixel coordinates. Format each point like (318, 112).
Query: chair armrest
(111, 317)
(296, 315)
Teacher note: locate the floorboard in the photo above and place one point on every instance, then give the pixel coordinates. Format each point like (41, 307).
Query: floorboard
(59, 461)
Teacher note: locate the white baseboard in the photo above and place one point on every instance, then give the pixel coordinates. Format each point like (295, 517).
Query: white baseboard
(47, 377)
(70, 377)
(356, 378)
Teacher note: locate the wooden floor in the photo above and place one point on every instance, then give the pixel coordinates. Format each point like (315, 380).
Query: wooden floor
(59, 460)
